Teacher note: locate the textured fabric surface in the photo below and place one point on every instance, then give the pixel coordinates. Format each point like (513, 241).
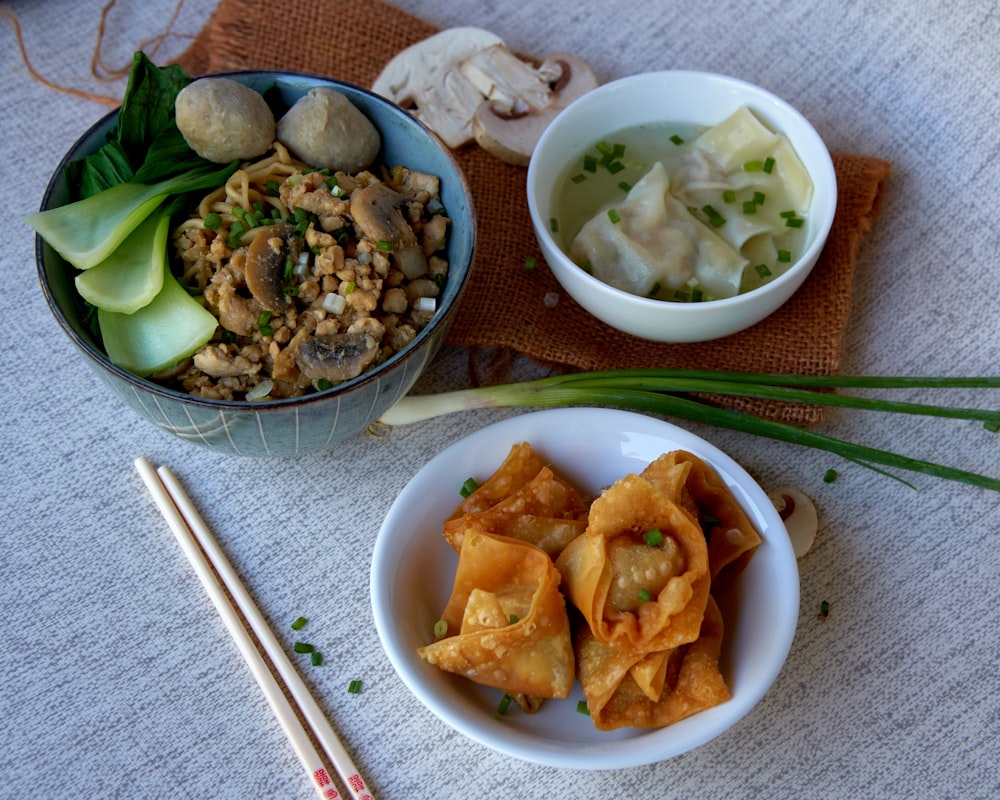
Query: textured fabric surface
(119, 679)
(505, 306)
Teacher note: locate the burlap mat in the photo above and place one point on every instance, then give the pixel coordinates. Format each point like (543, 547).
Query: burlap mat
(504, 308)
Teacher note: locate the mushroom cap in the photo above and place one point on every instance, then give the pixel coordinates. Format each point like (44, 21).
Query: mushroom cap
(265, 265)
(223, 120)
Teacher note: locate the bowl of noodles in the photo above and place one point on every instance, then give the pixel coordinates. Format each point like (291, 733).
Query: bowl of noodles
(320, 322)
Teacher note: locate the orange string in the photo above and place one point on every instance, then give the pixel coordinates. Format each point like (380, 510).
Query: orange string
(98, 69)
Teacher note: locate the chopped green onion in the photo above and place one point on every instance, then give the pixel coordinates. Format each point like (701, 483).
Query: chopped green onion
(604, 148)
(788, 214)
(676, 139)
(729, 196)
(768, 165)
(385, 246)
(213, 221)
(272, 187)
(582, 707)
(262, 323)
(794, 222)
(440, 629)
(681, 297)
(470, 485)
(625, 187)
(758, 198)
(513, 618)
(299, 623)
(614, 216)
(349, 286)
(830, 476)
(304, 647)
(992, 427)
(590, 163)
(753, 166)
(697, 295)
(323, 384)
(504, 704)
(530, 263)
(354, 687)
(749, 207)
(554, 225)
(715, 219)
(644, 595)
(291, 291)
(655, 290)
(653, 537)
(763, 270)
(615, 167)
(784, 256)
(579, 178)
(824, 609)
(316, 658)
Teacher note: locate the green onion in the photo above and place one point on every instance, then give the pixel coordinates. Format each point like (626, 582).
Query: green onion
(504, 704)
(653, 537)
(824, 609)
(272, 187)
(213, 221)
(615, 167)
(729, 196)
(579, 178)
(788, 214)
(582, 707)
(644, 595)
(316, 658)
(667, 392)
(349, 286)
(715, 219)
(299, 623)
(304, 647)
(768, 165)
(262, 323)
(513, 618)
(625, 187)
(554, 225)
(655, 290)
(530, 263)
(590, 163)
(753, 166)
(354, 687)
(385, 246)
(676, 139)
(794, 222)
(614, 216)
(784, 256)
(470, 485)
(440, 629)
(830, 476)
(763, 270)
(749, 207)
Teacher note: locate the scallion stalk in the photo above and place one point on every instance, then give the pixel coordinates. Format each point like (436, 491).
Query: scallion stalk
(664, 392)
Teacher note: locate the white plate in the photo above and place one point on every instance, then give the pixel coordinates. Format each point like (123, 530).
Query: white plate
(413, 568)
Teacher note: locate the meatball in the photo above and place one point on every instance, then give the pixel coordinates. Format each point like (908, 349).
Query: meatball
(223, 120)
(325, 129)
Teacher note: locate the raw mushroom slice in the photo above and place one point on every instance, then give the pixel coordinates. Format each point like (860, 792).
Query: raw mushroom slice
(426, 77)
(513, 85)
(511, 135)
(799, 515)
(336, 357)
(377, 211)
(267, 255)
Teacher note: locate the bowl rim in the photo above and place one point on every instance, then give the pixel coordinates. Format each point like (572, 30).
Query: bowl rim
(804, 263)
(611, 751)
(101, 360)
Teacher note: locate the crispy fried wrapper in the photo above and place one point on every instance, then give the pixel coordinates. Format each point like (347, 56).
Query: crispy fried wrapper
(500, 579)
(732, 538)
(686, 678)
(637, 597)
(524, 499)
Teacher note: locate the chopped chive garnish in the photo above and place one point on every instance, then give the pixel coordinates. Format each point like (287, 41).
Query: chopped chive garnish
(470, 485)
(582, 707)
(644, 595)
(385, 246)
(614, 216)
(753, 166)
(787, 214)
(262, 323)
(272, 187)
(794, 222)
(763, 270)
(590, 164)
(653, 537)
(784, 256)
(824, 609)
(749, 207)
(289, 269)
(291, 291)
(615, 167)
(530, 263)
(624, 186)
(618, 150)
(554, 225)
(323, 384)
(729, 196)
(676, 139)
(655, 290)
(768, 165)
(579, 178)
(504, 705)
(299, 623)
(681, 297)
(303, 647)
(830, 476)
(316, 658)
(349, 286)
(513, 618)
(354, 687)
(604, 148)
(213, 221)
(758, 198)
(993, 426)
(440, 629)
(715, 219)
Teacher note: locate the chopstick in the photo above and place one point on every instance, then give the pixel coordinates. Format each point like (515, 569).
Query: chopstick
(208, 560)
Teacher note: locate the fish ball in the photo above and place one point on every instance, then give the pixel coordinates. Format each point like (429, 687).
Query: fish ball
(325, 129)
(223, 120)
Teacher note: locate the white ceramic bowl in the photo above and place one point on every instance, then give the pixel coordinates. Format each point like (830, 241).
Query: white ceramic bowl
(699, 98)
(413, 570)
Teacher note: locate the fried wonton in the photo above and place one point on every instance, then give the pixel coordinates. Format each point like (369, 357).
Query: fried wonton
(519, 466)
(731, 536)
(637, 595)
(689, 679)
(507, 621)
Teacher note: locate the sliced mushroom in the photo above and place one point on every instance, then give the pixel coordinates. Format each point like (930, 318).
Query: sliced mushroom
(426, 77)
(336, 357)
(799, 515)
(265, 268)
(510, 131)
(377, 210)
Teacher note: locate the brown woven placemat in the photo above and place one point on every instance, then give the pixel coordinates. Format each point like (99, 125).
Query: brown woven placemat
(504, 308)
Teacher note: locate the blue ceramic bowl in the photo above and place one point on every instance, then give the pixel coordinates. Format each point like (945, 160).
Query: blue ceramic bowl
(316, 421)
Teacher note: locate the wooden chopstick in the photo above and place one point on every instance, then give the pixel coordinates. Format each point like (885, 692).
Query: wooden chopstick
(211, 565)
